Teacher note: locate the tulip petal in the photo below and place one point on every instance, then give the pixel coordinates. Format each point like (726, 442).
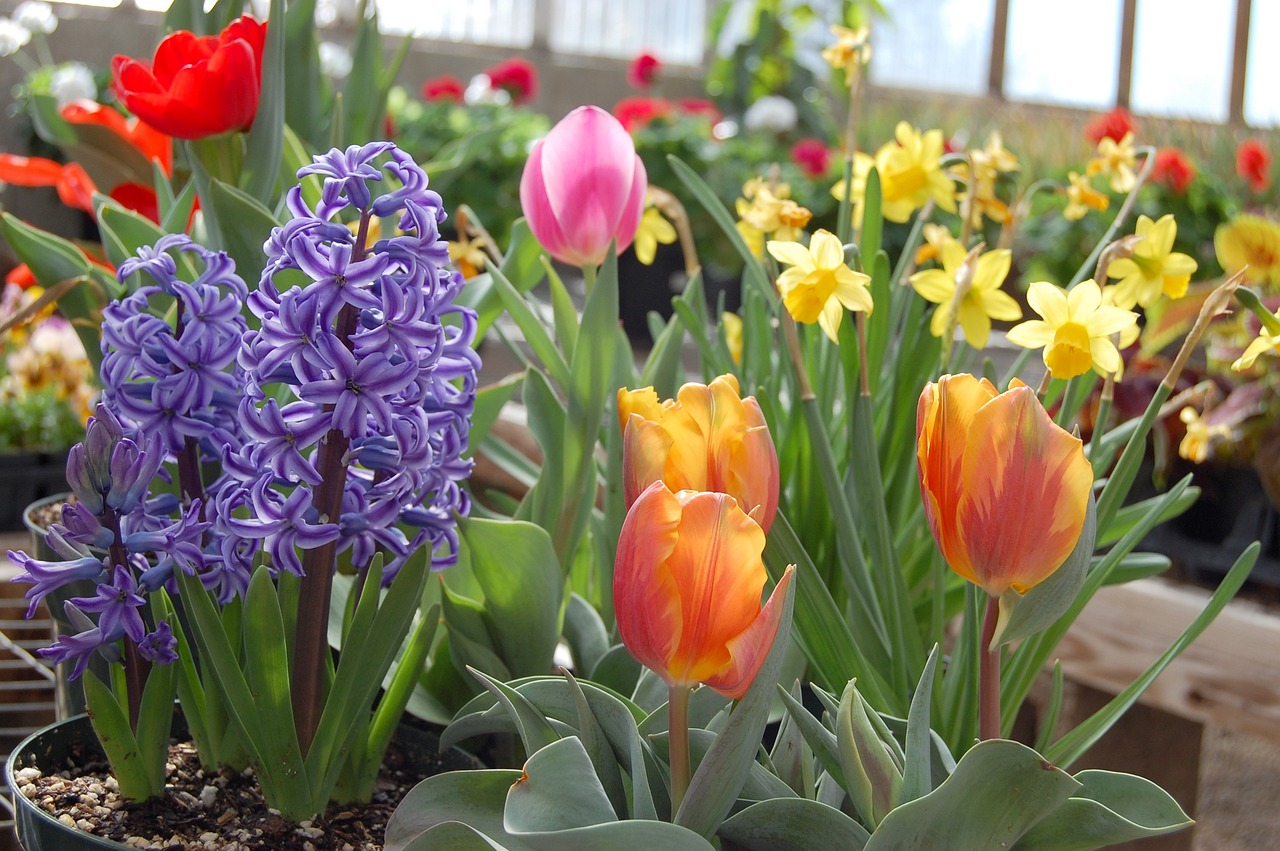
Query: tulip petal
(748, 651)
(645, 594)
(538, 213)
(646, 446)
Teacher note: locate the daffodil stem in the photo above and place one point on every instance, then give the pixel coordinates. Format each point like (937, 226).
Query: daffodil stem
(989, 676)
(797, 356)
(678, 736)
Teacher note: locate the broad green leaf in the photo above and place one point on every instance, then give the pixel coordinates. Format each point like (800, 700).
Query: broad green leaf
(490, 400)
(267, 671)
(111, 725)
(155, 720)
(559, 790)
(265, 139)
(475, 798)
(535, 332)
(619, 836)
(598, 747)
(455, 836)
(1108, 809)
(244, 225)
(535, 732)
(998, 791)
(792, 824)
(585, 632)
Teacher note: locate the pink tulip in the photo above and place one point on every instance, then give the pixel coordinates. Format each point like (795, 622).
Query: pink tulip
(584, 187)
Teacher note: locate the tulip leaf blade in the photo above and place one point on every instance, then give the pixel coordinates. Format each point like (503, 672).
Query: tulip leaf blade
(455, 836)
(917, 777)
(559, 790)
(792, 824)
(585, 632)
(475, 798)
(1110, 808)
(535, 731)
(244, 224)
(618, 836)
(531, 325)
(264, 143)
(998, 791)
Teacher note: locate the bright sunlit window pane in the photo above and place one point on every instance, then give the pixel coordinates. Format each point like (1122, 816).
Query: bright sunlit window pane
(153, 5)
(673, 29)
(1182, 58)
(1261, 92)
(102, 4)
(507, 23)
(1063, 53)
(939, 45)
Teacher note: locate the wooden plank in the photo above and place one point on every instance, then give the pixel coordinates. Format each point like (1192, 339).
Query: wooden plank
(1229, 677)
(1239, 62)
(1124, 70)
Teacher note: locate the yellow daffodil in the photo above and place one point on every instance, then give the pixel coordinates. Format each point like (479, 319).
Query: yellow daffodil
(654, 229)
(1075, 330)
(467, 256)
(1116, 160)
(731, 323)
(1265, 342)
(1201, 437)
(1155, 269)
(1082, 197)
(910, 174)
(766, 210)
(988, 163)
(1253, 242)
(982, 299)
(818, 286)
(1130, 333)
(936, 238)
(852, 48)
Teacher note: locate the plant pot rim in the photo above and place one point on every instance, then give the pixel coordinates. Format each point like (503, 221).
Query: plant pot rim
(40, 503)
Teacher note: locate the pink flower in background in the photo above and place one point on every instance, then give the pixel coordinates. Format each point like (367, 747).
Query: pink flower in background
(643, 71)
(1253, 163)
(584, 187)
(1112, 125)
(517, 77)
(813, 157)
(1173, 169)
(444, 87)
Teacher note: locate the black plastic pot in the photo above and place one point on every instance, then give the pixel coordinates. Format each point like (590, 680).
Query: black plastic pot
(52, 747)
(26, 477)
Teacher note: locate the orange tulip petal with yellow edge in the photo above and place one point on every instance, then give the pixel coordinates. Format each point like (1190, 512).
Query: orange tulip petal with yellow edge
(1024, 492)
(749, 650)
(646, 597)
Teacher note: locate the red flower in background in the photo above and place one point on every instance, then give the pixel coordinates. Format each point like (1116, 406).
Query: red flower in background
(637, 112)
(1112, 125)
(1253, 163)
(700, 107)
(444, 87)
(153, 145)
(813, 157)
(517, 77)
(1173, 169)
(196, 86)
(643, 71)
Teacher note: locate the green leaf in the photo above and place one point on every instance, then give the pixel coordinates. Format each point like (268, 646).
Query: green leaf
(998, 791)
(267, 672)
(455, 836)
(47, 120)
(585, 633)
(124, 232)
(1108, 809)
(111, 725)
(559, 790)
(265, 140)
(618, 836)
(1131, 515)
(535, 732)
(307, 92)
(520, 575)
(917, 775)
(244, 225)
(535, 333)
(715, 785)
(360, 100)
(563, 312)
(597, 746)
(155, 719)
(792, 824)
(475, 798)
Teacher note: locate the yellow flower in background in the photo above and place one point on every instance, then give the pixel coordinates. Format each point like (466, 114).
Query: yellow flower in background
(1155, 269)
(654, 229)
(1130, 333)
(911, 173)
(1075, 330)
(767, 210)
(936, 238)
(1265, 342)
(1116, 160)
(818, 286)
(731, 323)
(988, 163)
(467, 256)
(982, 300)
(1082, 197)
(1201, 437)
(852, 48)
(1250, 241)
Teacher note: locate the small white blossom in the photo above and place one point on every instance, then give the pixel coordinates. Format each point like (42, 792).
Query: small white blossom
(481, 90)
(71, 82)
(335, 60)
(771, 112)
(36, 16)
(13, 37)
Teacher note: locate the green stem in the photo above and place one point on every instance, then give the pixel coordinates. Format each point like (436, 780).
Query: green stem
(589, 278)
(678, 732)
(989, 676)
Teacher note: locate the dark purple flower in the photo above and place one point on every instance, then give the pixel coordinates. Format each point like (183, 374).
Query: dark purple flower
(116, 604)
(159, 645)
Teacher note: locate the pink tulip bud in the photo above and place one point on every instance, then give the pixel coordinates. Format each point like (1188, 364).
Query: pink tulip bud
(584, 187)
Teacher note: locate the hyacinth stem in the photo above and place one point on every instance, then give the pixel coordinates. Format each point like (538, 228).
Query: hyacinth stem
(189, 473)
(135, 667)
(311, 638)
(678, 736)
(989, 676)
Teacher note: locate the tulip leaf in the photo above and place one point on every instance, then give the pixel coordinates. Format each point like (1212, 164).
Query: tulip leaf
(1026, 614)
(760, 784)
(265, 140)
(585, 633)
(475, 798)
(618, 836)
(1110, 808)
(718, 780)
(999, 790)
(792, 824)
(531, 325)
(244, 224)
(456, 836)
(1131, 515)
(617, 669)
(559, 790)
(535, 731)
(1137, 566)
(821, 740)
(490, 400)
(791, 756)
(868, 758)
(546, 417)
(917, 775)
(307, 91)
(597, 745)
(520, 575)
(124, 232)
(361, 105)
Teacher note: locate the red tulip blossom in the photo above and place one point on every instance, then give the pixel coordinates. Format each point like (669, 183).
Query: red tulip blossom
(813, 157)
(1112, 125)
(643, 71)
(153, 145)
(1174, 170)
(637, 112)
(517, 77)
(196, 86)
(699, 108)
(444, 87)
(1253, 163)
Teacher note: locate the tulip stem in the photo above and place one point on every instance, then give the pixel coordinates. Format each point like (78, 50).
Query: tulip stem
(989, 676)
(678, 737)
(588, 278)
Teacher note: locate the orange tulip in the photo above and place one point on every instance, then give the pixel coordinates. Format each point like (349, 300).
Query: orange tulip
(706, 439)
(1005, 489)
(687, 586)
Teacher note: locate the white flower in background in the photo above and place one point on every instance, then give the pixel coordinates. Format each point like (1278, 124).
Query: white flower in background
(771, 112)
(36, 17)
(335, 60)
(481, 90)
(71, 82)
(13, 37)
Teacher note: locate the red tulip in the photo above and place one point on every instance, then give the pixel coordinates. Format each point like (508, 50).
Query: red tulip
(1253, 163)
(147, 141)
(700, 108)
(643, 71)
(75, 187)
(1005, 489)
(584, 187)
(1113, 125)
(1174, 170)
(813, 157)
(517, 77)
(196, 86)
(635, 113)
(444, 87)
(687, 586)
